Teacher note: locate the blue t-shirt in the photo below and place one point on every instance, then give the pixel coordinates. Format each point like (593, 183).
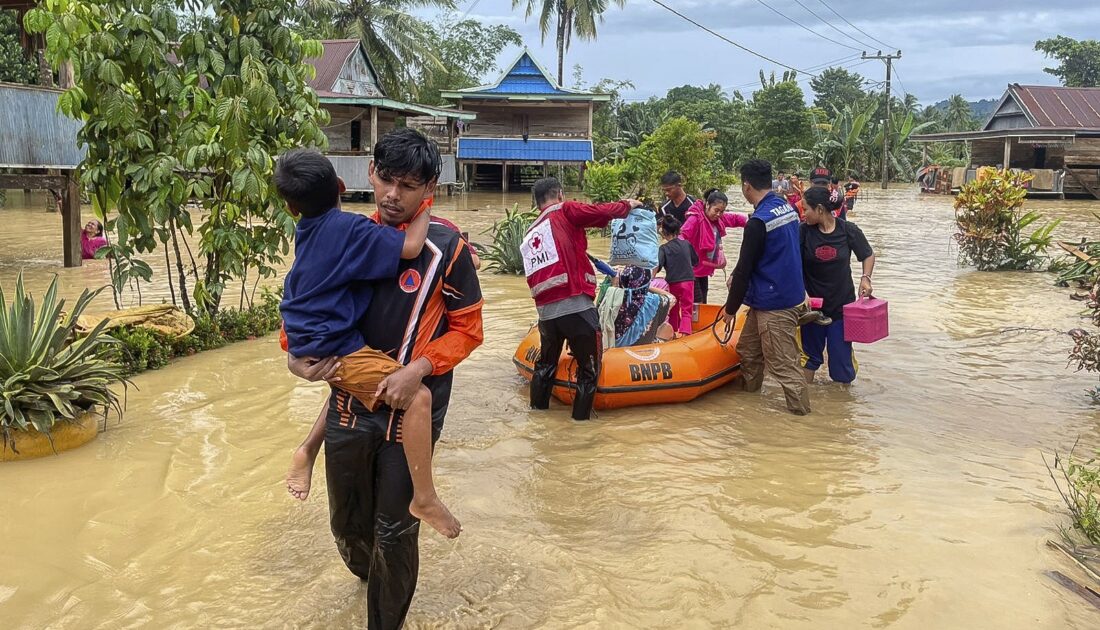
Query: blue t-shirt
(328, 290)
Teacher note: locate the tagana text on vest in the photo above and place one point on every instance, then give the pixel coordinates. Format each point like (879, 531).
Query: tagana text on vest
(776, 282)
(555, 259)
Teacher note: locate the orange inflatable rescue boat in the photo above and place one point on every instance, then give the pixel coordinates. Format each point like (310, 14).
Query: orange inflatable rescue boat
(675, 371)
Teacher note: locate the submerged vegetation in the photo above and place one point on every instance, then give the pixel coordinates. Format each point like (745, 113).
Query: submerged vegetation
(503, 255)
(48, 374)
(140, 349)
(1078, 482)
(991, 224)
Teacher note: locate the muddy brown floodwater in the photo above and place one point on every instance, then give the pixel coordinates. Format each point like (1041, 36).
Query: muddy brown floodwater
(915, 499)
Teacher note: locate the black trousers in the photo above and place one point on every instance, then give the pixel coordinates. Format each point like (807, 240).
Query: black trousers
(582, 331)
(702, 286)
(369, 491)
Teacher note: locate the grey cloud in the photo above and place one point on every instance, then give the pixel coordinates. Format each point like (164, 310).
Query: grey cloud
(974, 48)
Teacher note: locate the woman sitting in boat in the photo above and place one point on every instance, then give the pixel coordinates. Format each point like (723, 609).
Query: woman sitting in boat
(634, 312)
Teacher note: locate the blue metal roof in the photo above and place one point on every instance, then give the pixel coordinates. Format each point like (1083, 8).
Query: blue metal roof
(525, 77)
(515, 149)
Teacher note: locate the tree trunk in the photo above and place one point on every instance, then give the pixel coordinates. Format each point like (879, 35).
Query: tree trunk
(179, 268)
(562, 17)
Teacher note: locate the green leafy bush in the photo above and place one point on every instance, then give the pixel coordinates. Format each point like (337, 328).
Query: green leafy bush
(1080, 490)
(603, 182)
(990, 223)
(503, 255)
(140, 349)
(679, 145)
(47, 374)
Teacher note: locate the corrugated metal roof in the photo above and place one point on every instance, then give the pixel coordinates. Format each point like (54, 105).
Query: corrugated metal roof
(515, 149)
(525, 77)
(332, 62)
(1055, 106)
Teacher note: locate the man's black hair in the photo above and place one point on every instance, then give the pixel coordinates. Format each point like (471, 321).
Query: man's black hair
(758, 174)
(671, 178)
(406, 152)
(307, 181)
(670, 225)
(546, 189)
(835, 181)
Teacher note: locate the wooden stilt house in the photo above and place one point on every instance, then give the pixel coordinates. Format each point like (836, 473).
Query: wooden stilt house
(525, 124)
(1054, 132)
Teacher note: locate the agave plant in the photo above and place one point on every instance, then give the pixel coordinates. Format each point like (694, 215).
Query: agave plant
(504, 255)
(47, 375)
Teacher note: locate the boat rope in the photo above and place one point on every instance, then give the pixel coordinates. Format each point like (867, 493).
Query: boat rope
(723, 338)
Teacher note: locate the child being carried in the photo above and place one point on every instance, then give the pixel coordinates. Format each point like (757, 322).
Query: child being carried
(326, 294)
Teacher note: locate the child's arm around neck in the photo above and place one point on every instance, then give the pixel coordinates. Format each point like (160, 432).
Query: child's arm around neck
(415, 235)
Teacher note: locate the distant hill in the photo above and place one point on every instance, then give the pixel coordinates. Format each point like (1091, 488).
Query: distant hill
(981, 109)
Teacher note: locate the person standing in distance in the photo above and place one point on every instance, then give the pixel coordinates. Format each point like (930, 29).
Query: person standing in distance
(679, 202)
(768, 279)
(563, 284)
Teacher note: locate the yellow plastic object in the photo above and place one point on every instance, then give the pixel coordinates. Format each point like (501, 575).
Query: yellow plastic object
(163, 318)
(66, 436)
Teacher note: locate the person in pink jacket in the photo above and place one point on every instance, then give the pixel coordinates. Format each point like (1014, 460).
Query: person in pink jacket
(704, 228)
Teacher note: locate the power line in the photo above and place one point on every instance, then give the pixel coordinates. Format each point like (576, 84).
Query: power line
(873, 38)
(827, 22)
(728, 40)
(804, 27)
(470, 8)
(897, 76)
(838, 63)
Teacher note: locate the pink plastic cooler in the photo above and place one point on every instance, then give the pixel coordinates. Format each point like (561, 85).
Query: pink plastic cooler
(866, 320)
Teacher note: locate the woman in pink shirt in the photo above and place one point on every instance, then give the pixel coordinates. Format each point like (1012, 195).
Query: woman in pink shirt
(92, 239)
(704, 228)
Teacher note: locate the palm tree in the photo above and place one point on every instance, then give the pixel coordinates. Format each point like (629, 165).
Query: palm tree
(398, 43)
(958, 117)
(911, 105)
(579, 17)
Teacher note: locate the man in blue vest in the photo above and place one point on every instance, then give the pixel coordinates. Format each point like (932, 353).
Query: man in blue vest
(768, 279)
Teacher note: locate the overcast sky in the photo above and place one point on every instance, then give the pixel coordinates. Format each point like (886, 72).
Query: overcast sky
(972, 47)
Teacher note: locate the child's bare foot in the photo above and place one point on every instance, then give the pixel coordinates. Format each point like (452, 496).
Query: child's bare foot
(300, 475)
(434, 513)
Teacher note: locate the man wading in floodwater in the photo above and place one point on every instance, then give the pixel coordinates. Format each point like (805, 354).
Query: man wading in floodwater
(429, 319)
(768, 279)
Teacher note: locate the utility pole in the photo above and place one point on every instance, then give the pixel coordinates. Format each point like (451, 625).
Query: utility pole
(889, 59)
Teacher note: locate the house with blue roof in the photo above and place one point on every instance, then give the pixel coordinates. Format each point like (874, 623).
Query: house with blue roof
(525, 124)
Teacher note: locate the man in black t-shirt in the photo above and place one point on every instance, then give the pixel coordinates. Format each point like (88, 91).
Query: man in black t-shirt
(679, 202)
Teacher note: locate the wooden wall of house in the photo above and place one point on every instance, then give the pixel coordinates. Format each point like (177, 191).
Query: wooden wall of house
(992, 153)
(1084, 152)
(356, 78)
(555, 120)
(339, 130)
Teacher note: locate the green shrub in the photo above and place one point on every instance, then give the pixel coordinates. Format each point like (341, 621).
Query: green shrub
(680, 145)
(603, 182)
(503, 255)
(141, 349)
(1080, 490)
(990, 223)
(47, 374)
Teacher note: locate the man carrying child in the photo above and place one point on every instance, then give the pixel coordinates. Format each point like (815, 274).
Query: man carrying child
(426, 316)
